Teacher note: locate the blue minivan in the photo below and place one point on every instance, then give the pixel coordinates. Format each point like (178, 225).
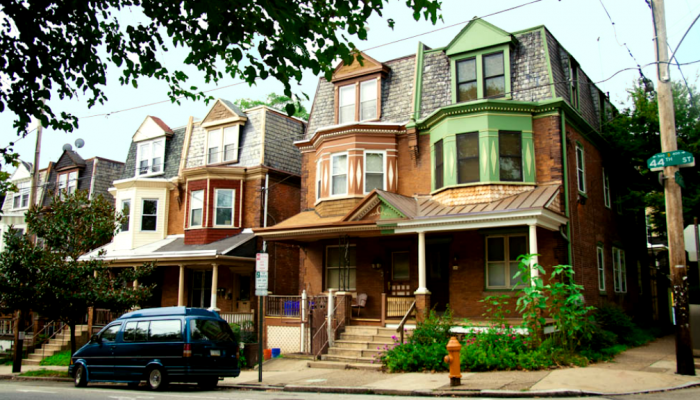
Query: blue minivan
(159, 345)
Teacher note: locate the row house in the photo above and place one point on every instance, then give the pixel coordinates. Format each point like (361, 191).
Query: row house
(192, 195)
(16, 204)
(425, 177)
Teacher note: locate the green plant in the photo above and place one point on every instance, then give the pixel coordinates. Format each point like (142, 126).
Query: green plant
(532, 301)
(61, 358)
(494, 308)
(572, 318)
(612, 319)
(46, 372)
(434, 329)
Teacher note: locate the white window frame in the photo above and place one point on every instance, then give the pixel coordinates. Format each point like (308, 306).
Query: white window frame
(128, 216)
(347, 163)
(376, 99)
(600, 258)
(353, 268)
(67, 183)
(233, 208)
(619, 270)
(22, 196)
(352, 87)
(148, 146)
(606, 190)
(581, 168)
(383, 153)
(221, 155)
(143, 201)
(201, 220)
(319, 178)
(508, 263)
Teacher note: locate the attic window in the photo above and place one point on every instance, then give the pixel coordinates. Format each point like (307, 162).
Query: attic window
(67, 183)
(222, 144)
(358, 101)
(494, 75)
(466, 80)
(150, 156)
(21, 198)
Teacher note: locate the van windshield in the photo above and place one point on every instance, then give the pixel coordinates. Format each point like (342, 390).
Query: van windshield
(210, 330)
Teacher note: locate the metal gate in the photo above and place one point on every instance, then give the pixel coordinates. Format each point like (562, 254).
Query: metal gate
(319, 323)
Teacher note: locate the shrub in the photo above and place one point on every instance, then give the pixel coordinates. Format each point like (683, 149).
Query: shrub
(613, 319)
(61, 358)
(434, 329)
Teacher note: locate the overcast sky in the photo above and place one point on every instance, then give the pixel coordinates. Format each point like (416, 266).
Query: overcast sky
(581, 26)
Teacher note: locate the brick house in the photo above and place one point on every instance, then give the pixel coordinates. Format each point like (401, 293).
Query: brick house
(192, 194)
(424, 177)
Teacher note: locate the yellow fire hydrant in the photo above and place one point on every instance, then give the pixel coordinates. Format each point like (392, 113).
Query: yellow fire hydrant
(452, 358)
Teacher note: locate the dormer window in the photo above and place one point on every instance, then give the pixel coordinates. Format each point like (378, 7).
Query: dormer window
(358, 101)
(21, 198)
(368, 100)
(67, 183)
(466, 80)
(346, 109)
(150, 156)
(222, 145)
(494, 75)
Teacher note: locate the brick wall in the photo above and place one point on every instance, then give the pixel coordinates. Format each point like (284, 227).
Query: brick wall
(547, 140)
(252, 197)
(176, 212)
(208, 233)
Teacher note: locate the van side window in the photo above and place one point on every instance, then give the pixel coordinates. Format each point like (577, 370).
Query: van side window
(210, 330)
(110, 334)
(165, 331)
(136, 331)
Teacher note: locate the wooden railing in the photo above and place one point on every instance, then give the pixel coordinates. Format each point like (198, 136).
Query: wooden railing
(397, 306)
(283, 306)
(411, 309)
(7, 326)
(236, 317)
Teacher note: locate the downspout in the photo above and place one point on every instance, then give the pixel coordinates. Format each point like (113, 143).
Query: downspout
(267, 177)
(566, 185)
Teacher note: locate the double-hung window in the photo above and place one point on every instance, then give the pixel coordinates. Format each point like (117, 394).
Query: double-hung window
(510, 147)
(494, 75)
(580, 168)
(346, 108)
(222, 144)
(196, 207)
(67, 183)
(319, 171)
(368, 100)
(600, 255)
(339, 174)
(439, 165)
(150, 157)
(126, 210)
(468, 157)
(21, 198)
(358, 103)
(341, 267)
(466, 80)
(502, 259)
(619, 270)
(606, 190)
(223, 214)
(573, 79)
(149, 215)
(374, 170)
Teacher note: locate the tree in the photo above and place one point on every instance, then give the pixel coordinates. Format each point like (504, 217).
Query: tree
(634, 135)
(276, 101)
(51, 279)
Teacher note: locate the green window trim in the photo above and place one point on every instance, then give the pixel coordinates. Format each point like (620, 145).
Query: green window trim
(478, 55)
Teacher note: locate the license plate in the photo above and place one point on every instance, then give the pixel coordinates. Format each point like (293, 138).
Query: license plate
(215, 353)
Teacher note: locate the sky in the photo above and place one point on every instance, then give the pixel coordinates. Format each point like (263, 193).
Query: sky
(581, 26)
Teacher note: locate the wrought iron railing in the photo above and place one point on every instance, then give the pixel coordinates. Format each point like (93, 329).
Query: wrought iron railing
(283, 306)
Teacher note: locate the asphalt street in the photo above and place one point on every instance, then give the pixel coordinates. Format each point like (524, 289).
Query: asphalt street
(30, 390)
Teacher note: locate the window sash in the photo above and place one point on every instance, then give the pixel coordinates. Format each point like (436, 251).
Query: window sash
(368, 100)
(375, 175)
(619, 271)
(333, 270)
(223, 211)
(346, 104)
(150, 157)
(467, 159)
(149, 222)
(580, 169)
(439, 165)
(467, 80)
(126, 210)
(72, 182)
(510, 162)
(341, 177)
(508, 262)
(494, 75)
(213, 143)
(600, 254)
(196, 207)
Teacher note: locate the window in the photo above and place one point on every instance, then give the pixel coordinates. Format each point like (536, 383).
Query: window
(208, 330)
(196, 207)
(573, 79)
(619, 271)
(150, 157)
(223, 215)
(110, 334)
(400, 266)
(67, 183)
(318, 179)
(468, 157)
(494, 75)
(601, 268)
(149, 215)
(201, 289)
(466, 80)
(222, 141)
(340, 267)
(21, 198)
(136, 331)
(439, 165)
(165, 331)
(606, 189)
(580, 168)
(374, 170)
(339, 174)
(126, 210)
(346, 108)
(510, 147)
(368, 100)
(502, 259)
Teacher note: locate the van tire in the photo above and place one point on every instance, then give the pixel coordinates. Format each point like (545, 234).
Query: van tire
(208, 383)
(80, 378)
(156, 379)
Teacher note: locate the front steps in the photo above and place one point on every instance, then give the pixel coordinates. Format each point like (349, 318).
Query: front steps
(358, 347)
(58, 343)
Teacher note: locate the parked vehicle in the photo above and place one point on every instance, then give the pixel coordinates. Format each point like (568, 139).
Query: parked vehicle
(159, 345)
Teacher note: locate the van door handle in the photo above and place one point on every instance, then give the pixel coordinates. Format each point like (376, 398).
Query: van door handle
(112, 347)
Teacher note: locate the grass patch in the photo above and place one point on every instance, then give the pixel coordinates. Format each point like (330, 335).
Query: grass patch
(59, 359)
(46, 372)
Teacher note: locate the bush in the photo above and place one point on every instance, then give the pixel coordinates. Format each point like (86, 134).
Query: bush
(613, 319)
(61, 358)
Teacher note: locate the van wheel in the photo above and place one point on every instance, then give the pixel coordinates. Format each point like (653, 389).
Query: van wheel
(208, 383)
(80, 376)
(157, 379)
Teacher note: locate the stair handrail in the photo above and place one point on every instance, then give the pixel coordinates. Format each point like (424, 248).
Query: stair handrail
(405, 318)
(56, 332)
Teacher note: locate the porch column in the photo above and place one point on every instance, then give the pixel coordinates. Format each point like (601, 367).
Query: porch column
(422, 294)
(533, 250)
(214, 286)
(181, 287)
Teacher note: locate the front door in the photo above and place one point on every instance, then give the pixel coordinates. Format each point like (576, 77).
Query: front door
(201, 289)
(437, 269)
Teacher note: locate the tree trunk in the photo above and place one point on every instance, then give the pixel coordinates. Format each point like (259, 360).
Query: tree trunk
(71, 325)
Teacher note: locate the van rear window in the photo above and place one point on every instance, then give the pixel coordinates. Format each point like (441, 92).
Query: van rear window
(153, 331)
(210, 330)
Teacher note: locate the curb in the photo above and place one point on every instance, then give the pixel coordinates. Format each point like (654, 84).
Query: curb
(35, 378)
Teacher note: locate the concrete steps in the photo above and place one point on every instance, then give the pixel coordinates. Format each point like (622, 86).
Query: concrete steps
(58, 343)
(358, 345)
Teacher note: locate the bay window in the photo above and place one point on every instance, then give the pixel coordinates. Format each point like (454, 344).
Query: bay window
(510, 149)
(439, 165)
(126, 210)
(223, 207)
(149, 215)
(339, 174)
(196, 208)
(468, 157)
(374, 170)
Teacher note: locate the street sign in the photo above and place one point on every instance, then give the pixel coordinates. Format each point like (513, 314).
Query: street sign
(658, 161)
(261, 261)
(261, 280)
(689, 240)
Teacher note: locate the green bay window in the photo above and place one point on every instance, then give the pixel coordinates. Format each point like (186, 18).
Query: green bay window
(468, 157)
(439, 165)
(510, 160)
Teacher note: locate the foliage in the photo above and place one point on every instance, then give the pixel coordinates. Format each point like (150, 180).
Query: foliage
(532, 302)
(61, 358)
(276, 101)
(244, 332)
(495, 308)
(434, 329)
(47, 372)
(572, 318)
(612, 319)
(51, 279)
(634, 137)
(502, 348)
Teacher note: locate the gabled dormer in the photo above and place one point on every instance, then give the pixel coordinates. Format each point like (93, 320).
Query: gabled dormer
(150, 140)
(223, 125)
(358, 90)
(22, 179)
(480, 62)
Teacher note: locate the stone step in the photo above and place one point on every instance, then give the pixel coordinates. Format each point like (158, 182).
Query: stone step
(334, 351)
(347, 359)
(31, 362)
(56, 346)
(369, 330)
(352, 344)
(344, 365)
(366, 338)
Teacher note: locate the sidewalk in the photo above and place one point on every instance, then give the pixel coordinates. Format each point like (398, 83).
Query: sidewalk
(643, 369)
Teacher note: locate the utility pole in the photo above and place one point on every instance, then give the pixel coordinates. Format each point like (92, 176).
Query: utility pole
(672, 192)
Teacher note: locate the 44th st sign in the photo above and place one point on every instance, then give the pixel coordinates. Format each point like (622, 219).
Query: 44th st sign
(681, 158)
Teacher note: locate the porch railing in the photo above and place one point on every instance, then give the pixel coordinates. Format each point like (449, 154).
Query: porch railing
(398, 306)
(7, 326)
(283, 306)
(236, 317)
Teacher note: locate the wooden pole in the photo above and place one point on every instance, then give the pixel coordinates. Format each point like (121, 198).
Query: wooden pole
(674, 205)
